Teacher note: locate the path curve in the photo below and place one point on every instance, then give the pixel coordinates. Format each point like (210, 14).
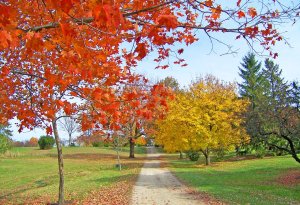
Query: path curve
(157, 186)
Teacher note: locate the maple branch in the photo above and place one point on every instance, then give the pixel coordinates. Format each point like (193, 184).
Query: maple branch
(62, 116)
(147, 9)
(279, 147)
(87, 20)
(27, 74)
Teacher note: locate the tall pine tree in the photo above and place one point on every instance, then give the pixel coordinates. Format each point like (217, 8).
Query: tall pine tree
(279, 125)
(276, 87)
(273, 120)
(252, 85)
(253, 89)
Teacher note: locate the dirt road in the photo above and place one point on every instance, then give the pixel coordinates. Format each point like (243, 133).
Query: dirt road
(157, 186)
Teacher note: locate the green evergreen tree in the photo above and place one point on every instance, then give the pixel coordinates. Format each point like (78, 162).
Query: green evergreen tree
(279, 122)
(273, 119)
(276, 87)
(5, 130)
(253, 89)
(252, 85)
(275, 99)
(295, 95)
(5, 141)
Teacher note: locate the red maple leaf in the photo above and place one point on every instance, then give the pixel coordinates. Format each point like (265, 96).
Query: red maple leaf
(141, 50)
(241, 14)
(252, 12)
(170, 21)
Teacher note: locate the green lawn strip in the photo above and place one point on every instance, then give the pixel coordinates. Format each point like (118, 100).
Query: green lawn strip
(242, 182)
(34, 174)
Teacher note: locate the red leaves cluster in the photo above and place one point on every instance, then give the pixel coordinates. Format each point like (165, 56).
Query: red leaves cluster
(66, 5)
(107, 15)
(170, 21)
(241, 14)
(142, 51)
(216, 12)
(252, 12)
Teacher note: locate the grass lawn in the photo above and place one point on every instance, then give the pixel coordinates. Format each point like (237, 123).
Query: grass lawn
(256, 181)
(30, 174)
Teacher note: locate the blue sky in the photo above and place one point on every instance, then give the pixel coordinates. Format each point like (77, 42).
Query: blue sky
(201, 61)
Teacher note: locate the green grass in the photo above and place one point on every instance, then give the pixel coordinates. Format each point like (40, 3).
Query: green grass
(241, 182)
(33, 173)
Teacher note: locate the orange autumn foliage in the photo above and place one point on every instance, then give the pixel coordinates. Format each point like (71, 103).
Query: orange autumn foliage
(73, 56)
(141, 141)
(33, 142)
(53, 49)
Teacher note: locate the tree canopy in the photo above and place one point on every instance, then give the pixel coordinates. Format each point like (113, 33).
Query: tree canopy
(206, 117)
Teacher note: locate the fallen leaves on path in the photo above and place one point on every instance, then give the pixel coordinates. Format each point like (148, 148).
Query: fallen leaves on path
(117, 194)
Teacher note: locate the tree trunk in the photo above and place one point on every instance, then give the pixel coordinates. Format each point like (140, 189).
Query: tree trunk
(206, 155)
(60, 164)
(131, 143)
(118, 154)
(70, 139)
(207, 159)
(180, 155)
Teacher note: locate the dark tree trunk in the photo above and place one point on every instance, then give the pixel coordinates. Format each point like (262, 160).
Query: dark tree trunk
(180, 155)
(131, 143)
(207, 160)
(60, 164)
(206, 153)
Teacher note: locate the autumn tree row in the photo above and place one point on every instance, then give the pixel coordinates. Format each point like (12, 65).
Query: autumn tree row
(73, 56)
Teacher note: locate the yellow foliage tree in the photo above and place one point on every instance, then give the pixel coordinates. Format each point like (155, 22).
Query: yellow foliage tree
(206, 117)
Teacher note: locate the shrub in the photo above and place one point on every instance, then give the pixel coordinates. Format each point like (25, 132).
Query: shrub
(5, 143)
(193, 155)
(220, 153)
(97, 144)
(260, 152)
(46, 142)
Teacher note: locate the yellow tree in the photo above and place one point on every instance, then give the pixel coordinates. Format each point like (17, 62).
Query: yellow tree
(218, 115)
(174, 132)
(206, 117)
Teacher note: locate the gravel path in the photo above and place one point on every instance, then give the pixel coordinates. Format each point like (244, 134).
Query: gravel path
(157, 186)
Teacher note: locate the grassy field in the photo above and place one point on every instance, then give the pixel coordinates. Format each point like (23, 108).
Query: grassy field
(28, 174)
(257, 181)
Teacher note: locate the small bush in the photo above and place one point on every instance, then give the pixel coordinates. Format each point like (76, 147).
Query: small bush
(220, 153)
(5, 143)
(46, 142)
(193, 155)
(97, 144)
(260, 152)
